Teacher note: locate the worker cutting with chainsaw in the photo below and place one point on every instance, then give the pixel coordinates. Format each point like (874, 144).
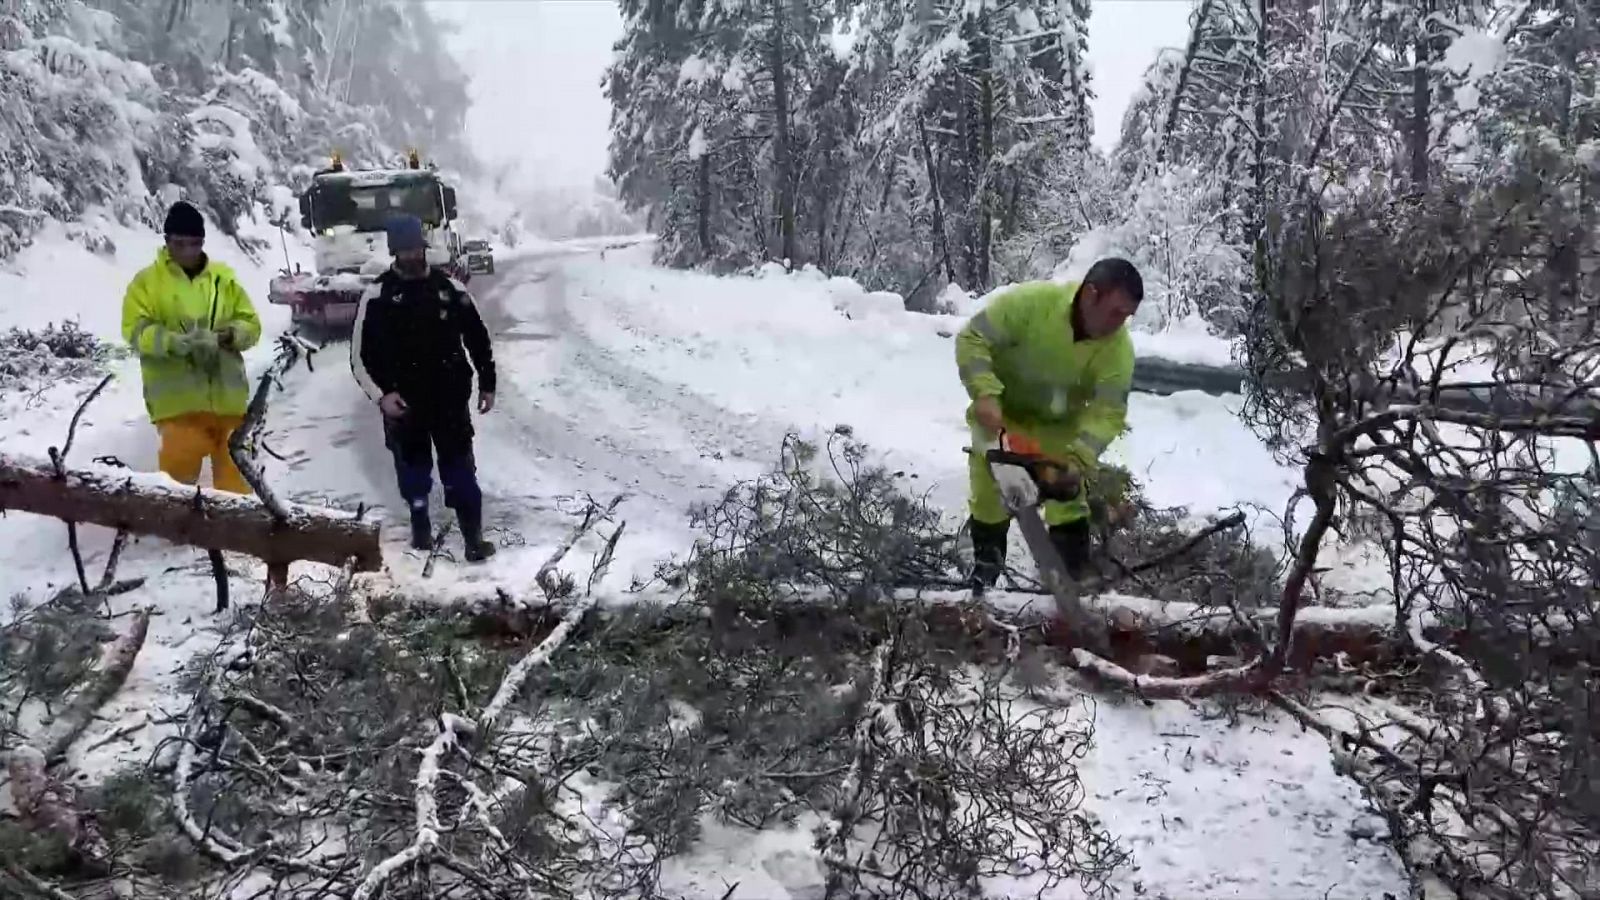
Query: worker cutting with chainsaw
(1048, 367)
(190, 321)
(415, 332)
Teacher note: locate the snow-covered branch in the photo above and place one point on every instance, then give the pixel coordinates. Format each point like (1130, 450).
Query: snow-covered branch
(1238, 679)
(242, 443)
(469, 736)
(592, 515)
(425, 802)
(517, 675)
(116, 663)
(834, 838)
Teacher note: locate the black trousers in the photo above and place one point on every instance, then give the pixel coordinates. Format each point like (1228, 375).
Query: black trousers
(1072, 542)
(413, 439)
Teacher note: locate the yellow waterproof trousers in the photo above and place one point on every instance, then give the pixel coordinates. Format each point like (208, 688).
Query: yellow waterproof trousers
(187, 440)
(984, 501)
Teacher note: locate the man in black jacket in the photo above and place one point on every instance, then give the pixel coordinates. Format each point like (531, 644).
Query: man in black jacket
(415, 332)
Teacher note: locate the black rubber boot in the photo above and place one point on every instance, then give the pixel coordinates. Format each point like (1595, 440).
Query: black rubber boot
(476, 549)
(988, 552)
(1072, 544)
(421, 530)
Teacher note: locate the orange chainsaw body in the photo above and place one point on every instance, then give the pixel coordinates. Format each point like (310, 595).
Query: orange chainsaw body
(1056, 480)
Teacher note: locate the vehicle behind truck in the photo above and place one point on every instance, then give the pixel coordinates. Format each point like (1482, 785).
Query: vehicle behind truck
(479, 256)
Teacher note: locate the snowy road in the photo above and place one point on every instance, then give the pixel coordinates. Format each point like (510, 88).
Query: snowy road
(587, 418)
(572, 417)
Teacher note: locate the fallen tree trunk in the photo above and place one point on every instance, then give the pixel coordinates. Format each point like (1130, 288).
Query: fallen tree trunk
(1189, 634)
(152, 504)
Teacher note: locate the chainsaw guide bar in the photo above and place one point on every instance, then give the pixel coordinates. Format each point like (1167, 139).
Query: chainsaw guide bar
(1015, 473)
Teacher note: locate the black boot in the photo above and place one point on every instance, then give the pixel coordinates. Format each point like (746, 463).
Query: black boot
(421, 529)
(470, 518)
(988, 552)
(1072, 544)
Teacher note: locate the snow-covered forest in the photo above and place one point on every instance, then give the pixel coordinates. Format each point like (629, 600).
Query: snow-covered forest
(1338, 635)
(122, 107)
(911, 145)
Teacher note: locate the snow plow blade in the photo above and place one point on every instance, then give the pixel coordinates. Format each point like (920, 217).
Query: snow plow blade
(328, 301)
(1021, 493)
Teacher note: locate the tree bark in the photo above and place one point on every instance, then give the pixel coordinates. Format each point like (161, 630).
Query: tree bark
(986, 154)
(1175, 103)
(1191, 636)
(228, 42)
(116, 663)
(1421, 101)
(783, 150)
(151, 504)
(1258, 162)
(938, 203)
(703, 205)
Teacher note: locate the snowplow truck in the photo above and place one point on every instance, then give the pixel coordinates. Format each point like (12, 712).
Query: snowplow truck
(347, 211)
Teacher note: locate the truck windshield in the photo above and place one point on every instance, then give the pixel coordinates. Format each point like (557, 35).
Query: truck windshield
(368, 207)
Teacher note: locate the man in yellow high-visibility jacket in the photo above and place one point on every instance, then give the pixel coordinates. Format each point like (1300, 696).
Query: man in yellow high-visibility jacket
(190, 321)
(1052, 362)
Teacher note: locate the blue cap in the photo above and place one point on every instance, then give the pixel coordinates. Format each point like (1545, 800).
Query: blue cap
(405, 233)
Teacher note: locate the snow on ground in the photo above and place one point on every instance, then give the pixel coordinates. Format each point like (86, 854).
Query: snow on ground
(1215, 810)
(779, 348)
(616, 376)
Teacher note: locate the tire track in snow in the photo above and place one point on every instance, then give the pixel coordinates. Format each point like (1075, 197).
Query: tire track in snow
(599, 422)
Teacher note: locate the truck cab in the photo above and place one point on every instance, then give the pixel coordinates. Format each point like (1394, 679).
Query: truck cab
(347, 212)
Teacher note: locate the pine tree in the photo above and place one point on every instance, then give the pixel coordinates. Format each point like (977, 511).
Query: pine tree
(111, 101)
(907, 146)
(717, 107)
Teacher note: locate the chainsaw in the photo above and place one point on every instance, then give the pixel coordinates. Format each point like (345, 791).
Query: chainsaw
(1051, 480)
(1027, 478)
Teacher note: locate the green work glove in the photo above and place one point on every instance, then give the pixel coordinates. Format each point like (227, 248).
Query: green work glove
(179, 343)
(1079, 458)
(203, 347)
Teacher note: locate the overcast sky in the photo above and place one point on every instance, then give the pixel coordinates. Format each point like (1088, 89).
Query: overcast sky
(536, 67)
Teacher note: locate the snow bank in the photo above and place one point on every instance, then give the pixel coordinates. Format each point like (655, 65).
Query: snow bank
(58, 278)
(529, 246)
(817, 352)
(1187, 340)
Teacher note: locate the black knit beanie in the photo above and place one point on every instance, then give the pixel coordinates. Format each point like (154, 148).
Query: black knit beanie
(184, 220)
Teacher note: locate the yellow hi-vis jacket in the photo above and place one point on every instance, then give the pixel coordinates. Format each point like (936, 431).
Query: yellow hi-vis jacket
(1070, 396)
(163, 302)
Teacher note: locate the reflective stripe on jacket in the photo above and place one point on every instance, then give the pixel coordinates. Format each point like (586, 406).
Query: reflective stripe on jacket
(163, 302)
(1071, 396)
